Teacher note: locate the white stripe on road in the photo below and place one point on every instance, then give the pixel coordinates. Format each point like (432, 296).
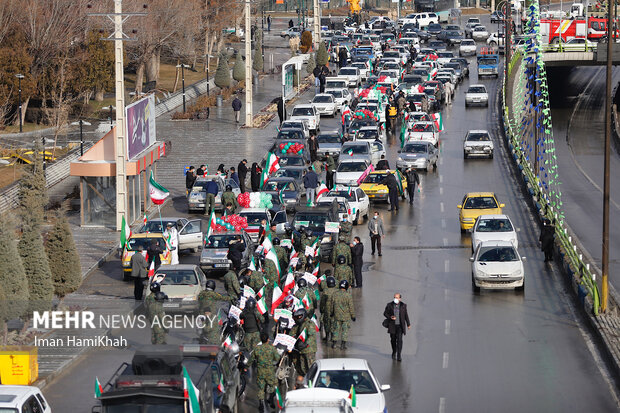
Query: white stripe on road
(445, 360)
(441, 190)
(447, 328)
(441, 206)
(442, 405)
(445, 242)
(446, 266)
(440, 179)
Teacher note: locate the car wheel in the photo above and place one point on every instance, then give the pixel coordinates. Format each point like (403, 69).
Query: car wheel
(491, 156)
(463, 231)
(126, 277)
(464, 155)
(435, 166)
(474, 288)
(493, 43)
(520, 290)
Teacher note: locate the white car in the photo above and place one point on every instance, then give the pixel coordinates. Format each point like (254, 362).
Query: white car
(22, 399)
(352, 74)
(450, 77)
(476, 95)
(480, 33)
(336, 83)
(358, 201)
(325, 104)
(308, 114)
(423, 131)
(349, 171)
(478, 143)
(368, 133)
(296, 124)
(342, 97)
(345, 212)
(493, 228)
(496, 39)
(342, 374)
(467, 48)
(444, 57)
(497, 265)
(319, 400)
(469, 28)
(363, 68)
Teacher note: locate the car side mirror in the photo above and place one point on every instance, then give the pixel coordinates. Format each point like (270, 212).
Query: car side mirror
(523, 259)
(502, 205)
(459, 206)
(398, 151)
(471, 259)
(385, 387)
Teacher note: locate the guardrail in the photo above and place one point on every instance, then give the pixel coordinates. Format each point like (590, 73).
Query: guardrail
(570, 47)
(569, 248)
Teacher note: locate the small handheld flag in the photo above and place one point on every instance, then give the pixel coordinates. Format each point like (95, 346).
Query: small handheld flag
(98, 388)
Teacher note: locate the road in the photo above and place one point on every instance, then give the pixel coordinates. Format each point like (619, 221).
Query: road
(497, 351)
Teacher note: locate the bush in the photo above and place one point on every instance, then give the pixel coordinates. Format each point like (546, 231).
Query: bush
(36, 266)
(257, 62)
(222, 74)
(311, 64)
(12, 274)
(33, 190)
(63, 257)
(321, 55)
(306, 42)
(239, 68)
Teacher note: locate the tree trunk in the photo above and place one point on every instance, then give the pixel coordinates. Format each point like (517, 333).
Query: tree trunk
(139, 78)
(157, 63)
(24, 109)
(150, 67)
(99, 95)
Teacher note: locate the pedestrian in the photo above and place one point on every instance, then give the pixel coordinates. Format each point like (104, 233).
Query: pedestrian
(343, 56)
(221, 170)
(346, 228)
(172, 238)
(255, 177)
(236, 105)
(209, 300)
(234, 176)
(281, 110)
(243, 173)
(330, 169)
(547, 234)
(290, 23)
(153, 253)
(342, 311)
(266, 357)
(202, 171)
(231, 285)
(397, 324)
(313, 147)
(252, 321)
(138, 272)
(212, 189)
(383, 164)
(392, 184)
(357, 252)
(375, 226)
(413, 179)
(269, 22)
(448, 92)
(229, 197)
(235, 252)
(190, 178)
(311, 181)
(322, 79)
(306, 347)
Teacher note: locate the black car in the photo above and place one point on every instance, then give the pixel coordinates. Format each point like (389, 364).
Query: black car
(286, 189)
(452, 37)
(290, 134)
(434, 29)
(437, 45)
(464, 65)
(314, 219)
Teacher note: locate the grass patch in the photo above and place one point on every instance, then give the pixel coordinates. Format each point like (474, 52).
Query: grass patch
(27, 127)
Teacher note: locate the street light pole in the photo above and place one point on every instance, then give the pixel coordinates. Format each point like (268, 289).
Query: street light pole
(81, 139)
(182, 66)
(249, 116)
(19, 77)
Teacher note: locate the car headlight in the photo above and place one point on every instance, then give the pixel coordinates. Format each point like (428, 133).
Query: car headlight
(126, 263)
(488, 148)
(189, 298)
(382, 191)
(467, 219)
(516, 273)
(467, 149)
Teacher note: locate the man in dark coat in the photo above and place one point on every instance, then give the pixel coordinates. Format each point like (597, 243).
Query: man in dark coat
(322, 79)
(236, 105)
(153, 252)
(398, 323)
(343, 55)
(383, 164)
(547, 234)
(242, 170)
(281, 110)
(357, 254)
(235, 252)
(390, 182)
(138, 272)
(413, 179)
(313, 147)
(190, 178)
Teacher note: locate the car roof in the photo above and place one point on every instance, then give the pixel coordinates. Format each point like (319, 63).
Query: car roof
(147, 235)
(494, 216)
(316, 394)
(477, 85)
(324, 94)
(343, 364)
(209, 178)
(164, 268)
(304, 106)
(370, 127)
(20, 393)
(478, 131)
(477, 194)
(496, 243)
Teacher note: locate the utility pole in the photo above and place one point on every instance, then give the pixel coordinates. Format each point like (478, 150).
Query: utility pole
(249, 116)
(19, 77)
(118, 18)
(605, 255)
(317, 24)
(183, 66)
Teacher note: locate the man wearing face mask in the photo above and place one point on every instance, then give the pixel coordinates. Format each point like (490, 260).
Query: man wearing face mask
(398, 324)
(375, 226)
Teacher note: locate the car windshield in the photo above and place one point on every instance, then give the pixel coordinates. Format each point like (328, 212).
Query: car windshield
(316, 222)
(336, 84)
(494, 225)
(328, 139)
(480, 29)
(157, 225)
(278, 186)
(348, 72)
(480, 202)
(452, 65)
(134, 243)
(254, 218)
(322, 99)
(292, 161)
(476, 89)
(288, 173)
(415, 148)
(292, 124)
(201, 185)
(345, 379)
(422, 127)
(177, 277)
(355, 150)
(445, 54)
(417, 98)
(303, 112)
(468, 42)
(392, 53)
(342, 193)
(367, 134)
(358, 123)
(336, 93)
(497, 254)
(221, 240)
(478, 137)
(290, 134)
(485, 61)
(351, 167)
(375, 178)
(366, 52)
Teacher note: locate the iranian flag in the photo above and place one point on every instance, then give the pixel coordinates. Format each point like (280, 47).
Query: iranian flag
(399, 182)
(125, 232)
(316, 323)
(278, 297)
(271, 255)
(321, 190)
(350, 152)
(227, 342)
(365, 174)
(158, 193)
(306, 301)
(144, 219)
(260, 292)
(220, 386)
(294, 254)
(289, 283)
(279, 400)
(264, 176)
(252, 264)
(438, 119)
(303, 336)
(261, 305)
(190, 392)
(352, 396)
(98, 388)
(273, 163)
(152, 269)
(211, 226)
(315, 272)
(321, 278)
(345, 112)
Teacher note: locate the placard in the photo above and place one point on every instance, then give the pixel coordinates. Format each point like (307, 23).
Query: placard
(234, 312)
(333, 227)
(282, 312)
(285, 340)
(286, 243)
(311, 279)
(248, 291)
(309, 251)
(302, 224)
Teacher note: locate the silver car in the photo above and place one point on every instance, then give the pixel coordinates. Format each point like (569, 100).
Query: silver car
(478, 143)
(477, 95)
(418, 155)
(214, 255)
(196, 199)
(329, 142)
(182, 283)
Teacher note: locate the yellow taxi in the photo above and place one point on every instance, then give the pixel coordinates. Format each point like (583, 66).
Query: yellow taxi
(145, 240)
(376, 191)
(475, 204)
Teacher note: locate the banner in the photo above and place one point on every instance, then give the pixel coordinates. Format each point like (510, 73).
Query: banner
(140, 121)
(333, 227)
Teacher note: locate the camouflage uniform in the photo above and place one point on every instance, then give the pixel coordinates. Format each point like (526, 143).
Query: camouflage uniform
(346, 228)
(307, 355)
(229, 197)
(326, 318)
(253, 338)
(231, 284)
(155, 310)
(266, 357)
(282, 256)
(211, 331)
(342, 249)
(256, 281)
(312, 304)
(207, 301)
(340, 307)
(343, 272)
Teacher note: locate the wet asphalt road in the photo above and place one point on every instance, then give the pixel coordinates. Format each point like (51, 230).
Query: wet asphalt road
(497, 351)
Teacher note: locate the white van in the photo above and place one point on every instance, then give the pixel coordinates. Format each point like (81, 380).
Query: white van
(423, 19)
(336, 83)
(317, 400)
(20, 399)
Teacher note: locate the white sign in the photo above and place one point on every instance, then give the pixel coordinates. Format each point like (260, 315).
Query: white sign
(309, 251)
(234, 312)
(311, 279)
(282, 312)
(286, 243)
(248, 291)
(333, 227)
(285, 340)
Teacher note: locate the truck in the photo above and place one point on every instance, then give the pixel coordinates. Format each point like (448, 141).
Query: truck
(154, 380)
(553, 30)
(488, 62)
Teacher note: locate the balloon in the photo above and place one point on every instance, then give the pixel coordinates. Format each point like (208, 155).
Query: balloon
(283, 150)
(281, 146)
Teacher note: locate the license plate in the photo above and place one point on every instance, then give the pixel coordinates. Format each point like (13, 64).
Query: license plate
(220, 265)
(171, 305)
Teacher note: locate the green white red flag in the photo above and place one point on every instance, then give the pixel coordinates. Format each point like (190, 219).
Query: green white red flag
(261, 305)
(152, 269)
(264, 176)
(125, 232)
(158, 193)
(190, 392)
(279, 400)
(289, 283)
(98, 388)
(211, 226)
(316, 323)
(277, 298)
(227, 342)
(321, 190)
(306, 302)
(220, 385)
(438, 119)
(353, 396)
(273, 163)
(303, 336)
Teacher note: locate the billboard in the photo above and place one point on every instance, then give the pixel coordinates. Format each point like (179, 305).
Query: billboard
(140, 120)
(288, 69)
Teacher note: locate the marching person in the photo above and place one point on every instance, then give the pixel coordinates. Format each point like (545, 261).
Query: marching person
(211, 189)
(413, 179)
(357, 252)
(340, 307)
(375, 226)
(138, 272)
(398, 324)
(228, 197)
(266, 357)
(330, 169)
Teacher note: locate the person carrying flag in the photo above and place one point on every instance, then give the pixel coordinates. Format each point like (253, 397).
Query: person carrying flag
(171, 235)
(153, 253)
(280, 252)
(330, 169)
(305, 333)
(340, 307)
(266, 357)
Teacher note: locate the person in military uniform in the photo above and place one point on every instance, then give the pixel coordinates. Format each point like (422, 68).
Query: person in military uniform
(271, 232)
(208, 299)
(326, 319)
(256, 280)
(302, 290)
(252, 321)
(266, 358)
(342, 271)
(307, 349)
(280, 253)
(341, 249)
(306, 240)
(346, 228)
(228, 197)
(231, 284)
(340, 307)
(154, 304)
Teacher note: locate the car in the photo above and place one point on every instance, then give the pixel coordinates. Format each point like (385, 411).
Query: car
(345, 212)
(444, 57)
(196, 199)
(357, 124)
(497, 17)
(493, 228)
(329, 142)
(437, 45)
(423, 131)
(342, 97)
(214, 254)
(336, 83)
(480, 33)
(451, 37)
(469, 28)
(377, 191)
(295, 125)
(325, 104)
(368, 133)
(293, 133)
(475, 204)
(497, 39)
(287, 189)
(573, 45)
(453, 78)
(363, 68)
(344, 373)
(476, 95)
(497, 265)
(357, 198)
(349, 171)
(182, 283)
(352, 74)
(144, 240)
(255, 216)
(295, 172)
(313, 218)
(464, 65)
(318, 399)
(456, 67)
(21, 399)
(413, 117)
(292, 160)
(190, 233)
(467, 47)
(434, 29)
(422, 19)
(418, 155)
(473, 20)
(291, 32)
(478, 143)
(308, 114)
